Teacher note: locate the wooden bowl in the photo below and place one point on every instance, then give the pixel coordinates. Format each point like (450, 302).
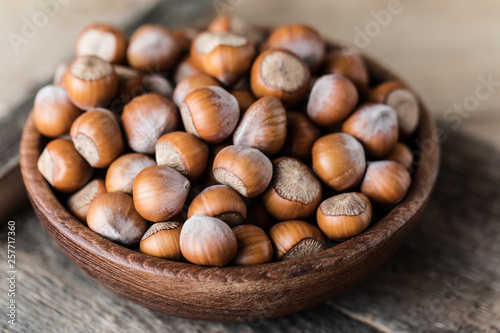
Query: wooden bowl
(232, 293)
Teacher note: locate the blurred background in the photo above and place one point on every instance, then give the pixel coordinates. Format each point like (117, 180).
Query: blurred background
(444, 279)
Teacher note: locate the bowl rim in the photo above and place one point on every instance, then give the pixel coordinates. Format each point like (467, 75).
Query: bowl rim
(56, 214)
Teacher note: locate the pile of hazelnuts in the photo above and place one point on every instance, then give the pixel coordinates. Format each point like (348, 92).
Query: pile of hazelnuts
(233, 145)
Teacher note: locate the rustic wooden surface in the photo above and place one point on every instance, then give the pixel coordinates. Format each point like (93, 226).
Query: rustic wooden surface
(446, 278)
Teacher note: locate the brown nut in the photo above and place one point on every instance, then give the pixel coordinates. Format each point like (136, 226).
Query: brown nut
(401, 154)
(263, 126)
(375, 126)
(339, 160)
(223, 55)
(344, 215)
(254, 247)
(295, 239)
(122, 172)
(158, 84)
(210, 113)
(159, 193)
(79, 203)
(332, 99)
(300, 39)
(222, 202)
(153, 48)
(385, 182)
(97, 137)
(350, 65)
(281, 74)
(112, 215)
(104, 41)
(207, 240)
(301, 136)
(190, 84)
(146, 118)
(90, 82)
(182, 152)
(53, 111)
(294, 192)
(63, 167)
(404, 102)
(163, 240)
(245, 169)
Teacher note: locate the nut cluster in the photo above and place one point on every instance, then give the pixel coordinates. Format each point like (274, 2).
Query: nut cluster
(260, 146)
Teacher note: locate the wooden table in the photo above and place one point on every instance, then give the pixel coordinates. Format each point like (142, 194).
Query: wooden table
(445, 278)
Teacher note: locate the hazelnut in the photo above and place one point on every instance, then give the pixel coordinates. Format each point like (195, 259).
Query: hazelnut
(295, 239)
(300, 39)
(339, 160)
(332, 99)
(63, 167)
(207, 240)
(159, 193)
(153, 48)
(97, 137)
(245, 169)
(375, 126)
(163, 240)
(90, 82)
(210, 113)
(79, 203)
(281, 74)
(385, 182)
(122, 172)
(222, 202)
(301, 136)
(223, 55)
(190, 84)
(158, 84)
(404, 102)
(401, 154)
(112, 215)
(294, 192)
(254, 247)
(263, 126)
(182, 152)
(146, 118)
(344, 215)
(104, 41)
(350, 65)
(53, 111)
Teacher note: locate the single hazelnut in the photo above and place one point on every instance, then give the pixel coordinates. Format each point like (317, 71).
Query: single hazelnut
(186, 68)
(163, 240)
(236, 25)
(281, 74)
(223, 55)
(344, 215)
(403, 101)
(159, 193)
(350, 65)
(79, 203)
(53, 111)
(375, 126)
(332, 99)
(153, 48)
(190, 84)
(294, 192)
(245, 98)
(301, 136)
(90, 82)
(130, 85)
(385, 182)
(158, 84)
(112, 215)
(97, 137)
(222, 202)
(339, 160)
(146, 118)
(210, 113)
(401, 154)
(182, 152)
(245, 169)
(63, 167)
(263, 126)
(300, 39)
(122, 172)
(295, 239)
(207, 240)
(104, 41)
(254, 247)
